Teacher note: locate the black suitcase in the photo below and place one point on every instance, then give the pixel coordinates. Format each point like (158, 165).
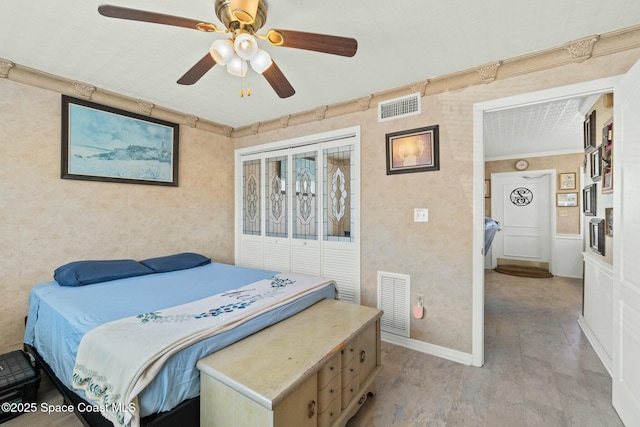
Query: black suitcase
(19, 382)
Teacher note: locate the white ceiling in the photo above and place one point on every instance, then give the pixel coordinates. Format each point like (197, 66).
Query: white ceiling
(536, 130)
(400, 43)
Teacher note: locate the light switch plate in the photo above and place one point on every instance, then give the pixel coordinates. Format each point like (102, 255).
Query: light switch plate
(421, 215)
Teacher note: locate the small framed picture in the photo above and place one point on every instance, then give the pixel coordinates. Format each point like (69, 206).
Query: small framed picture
(415, 150)
(568, 181)
(596, 235)
(589, 205)
(566, 199)
(589, 135)
(596, 164)
(608, 222)
(607, 157)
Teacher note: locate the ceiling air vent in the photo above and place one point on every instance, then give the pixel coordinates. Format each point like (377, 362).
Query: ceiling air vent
(399, 107)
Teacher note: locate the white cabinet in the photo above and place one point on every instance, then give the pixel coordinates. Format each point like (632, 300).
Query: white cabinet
(598, 306)
(313, 369)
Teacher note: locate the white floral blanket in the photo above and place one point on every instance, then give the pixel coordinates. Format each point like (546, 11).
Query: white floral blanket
(117, 360)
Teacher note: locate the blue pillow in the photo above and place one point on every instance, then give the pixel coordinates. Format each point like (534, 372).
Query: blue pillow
(79, 273)
(176, 262)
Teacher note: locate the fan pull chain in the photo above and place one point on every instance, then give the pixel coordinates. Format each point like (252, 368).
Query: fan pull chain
(242, 92)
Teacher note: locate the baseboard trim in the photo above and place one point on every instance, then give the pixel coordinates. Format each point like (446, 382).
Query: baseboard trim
(432, 349)
(595, 343)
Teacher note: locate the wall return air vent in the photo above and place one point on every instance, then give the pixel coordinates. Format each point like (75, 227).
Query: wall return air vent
(399, 107)
(393, 300)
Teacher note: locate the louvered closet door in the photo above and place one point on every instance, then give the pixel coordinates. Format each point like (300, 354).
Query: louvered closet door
(276, 213)
(251, 238)
(340, 225)
(305, 242)
(300, 211)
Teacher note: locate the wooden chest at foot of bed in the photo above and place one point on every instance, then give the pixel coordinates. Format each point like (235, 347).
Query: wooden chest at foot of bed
(19, 383)
(313, 369)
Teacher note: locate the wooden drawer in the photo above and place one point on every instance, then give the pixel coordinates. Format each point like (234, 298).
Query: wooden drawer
(329, 371)
(329, 393)
(349, 391)
(350, 370)
(331, 413)
(350, 351)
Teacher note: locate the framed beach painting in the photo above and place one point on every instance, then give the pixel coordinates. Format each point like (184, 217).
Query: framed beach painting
(102, 143)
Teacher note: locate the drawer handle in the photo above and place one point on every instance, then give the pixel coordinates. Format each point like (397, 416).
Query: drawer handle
(312, 408)
(363, 356)
(330, 391)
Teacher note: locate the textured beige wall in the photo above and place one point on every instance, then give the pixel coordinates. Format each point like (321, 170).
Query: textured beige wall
(437, 255)
(567, 218)
(46, 221)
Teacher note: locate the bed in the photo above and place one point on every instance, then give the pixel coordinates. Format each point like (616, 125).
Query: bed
(60, 316)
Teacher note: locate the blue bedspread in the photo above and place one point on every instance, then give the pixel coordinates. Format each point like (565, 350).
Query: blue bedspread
(59, 317)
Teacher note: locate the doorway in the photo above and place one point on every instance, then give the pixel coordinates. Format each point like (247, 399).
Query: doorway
(521, 205)
(595, 87)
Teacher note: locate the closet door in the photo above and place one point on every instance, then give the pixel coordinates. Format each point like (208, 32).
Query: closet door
(340, 223)
(251, 240)
(298, 209)
(305, 242)
(276, 213)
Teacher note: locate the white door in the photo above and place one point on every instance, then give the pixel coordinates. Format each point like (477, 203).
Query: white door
(521, 207)
(626, 251)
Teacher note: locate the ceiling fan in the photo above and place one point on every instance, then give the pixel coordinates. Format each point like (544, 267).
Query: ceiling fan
(241, 19)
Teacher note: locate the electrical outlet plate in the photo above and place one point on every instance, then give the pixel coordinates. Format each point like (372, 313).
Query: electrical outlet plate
(421, 215)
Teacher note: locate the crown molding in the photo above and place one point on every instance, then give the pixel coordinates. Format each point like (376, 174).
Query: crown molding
(32, 77)
(572, 52)
(5, 66)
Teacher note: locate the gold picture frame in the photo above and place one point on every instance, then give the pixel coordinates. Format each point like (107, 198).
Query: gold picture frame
(567, 181)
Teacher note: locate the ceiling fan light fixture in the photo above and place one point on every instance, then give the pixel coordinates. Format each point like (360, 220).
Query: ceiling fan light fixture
(244, 11)
(261, 61)
(275, 37)
(246, 46)
(237, 67)
(222, 51)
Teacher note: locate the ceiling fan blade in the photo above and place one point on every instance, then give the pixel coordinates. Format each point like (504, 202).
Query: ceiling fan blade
(145, 16)
(278, 81)
(334, 45)
(197, 71)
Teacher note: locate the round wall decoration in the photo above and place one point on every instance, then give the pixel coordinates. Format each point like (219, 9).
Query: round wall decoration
(521, 196)
(522, 164)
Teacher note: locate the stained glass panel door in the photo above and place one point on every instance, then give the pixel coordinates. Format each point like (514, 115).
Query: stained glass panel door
(276, 213)
(251, 240)
(305, 245)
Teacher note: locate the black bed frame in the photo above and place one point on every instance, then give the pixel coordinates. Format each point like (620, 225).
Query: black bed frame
(186, 414)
